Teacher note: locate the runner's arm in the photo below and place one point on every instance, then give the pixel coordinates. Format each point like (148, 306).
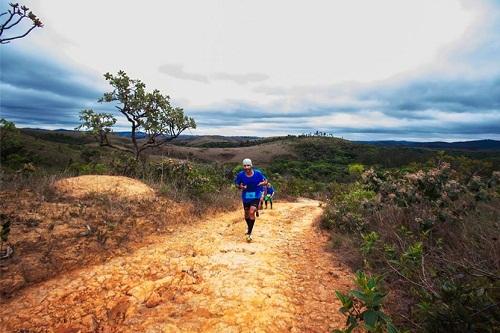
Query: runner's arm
(262, 183)
(238, 183)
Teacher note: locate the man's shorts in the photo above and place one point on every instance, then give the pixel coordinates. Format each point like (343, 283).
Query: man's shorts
(268, 198)
(248, 204)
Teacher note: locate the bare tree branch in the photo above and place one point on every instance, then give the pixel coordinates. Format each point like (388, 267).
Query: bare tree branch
(22, 12)
(7, 40)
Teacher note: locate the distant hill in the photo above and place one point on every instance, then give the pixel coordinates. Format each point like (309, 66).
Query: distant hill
(220, 141)
(207, 141)
(462, 145)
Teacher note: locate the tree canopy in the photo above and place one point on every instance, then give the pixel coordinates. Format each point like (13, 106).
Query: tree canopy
(98, 124)
(148, 112)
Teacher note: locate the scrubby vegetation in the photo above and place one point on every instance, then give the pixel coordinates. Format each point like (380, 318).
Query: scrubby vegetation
(433, 234)
(320, 164)
(57, 153)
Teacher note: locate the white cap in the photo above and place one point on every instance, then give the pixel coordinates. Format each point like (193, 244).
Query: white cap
(247, 161)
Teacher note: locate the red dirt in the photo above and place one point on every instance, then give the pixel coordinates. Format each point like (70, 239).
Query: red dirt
(202, 277)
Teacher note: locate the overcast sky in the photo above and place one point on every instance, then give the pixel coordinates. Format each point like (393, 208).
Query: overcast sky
(370, 70)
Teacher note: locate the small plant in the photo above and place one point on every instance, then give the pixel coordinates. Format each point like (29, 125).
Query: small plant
(363, 306)
(369, 241)
(411, 258)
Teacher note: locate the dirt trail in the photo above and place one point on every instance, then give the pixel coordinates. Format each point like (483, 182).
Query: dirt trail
(201, 277)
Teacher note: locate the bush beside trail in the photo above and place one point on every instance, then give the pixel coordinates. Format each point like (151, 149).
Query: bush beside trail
(433, 235)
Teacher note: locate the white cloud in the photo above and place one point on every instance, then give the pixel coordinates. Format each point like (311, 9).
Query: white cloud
(282, 56)
(291, 42)
(177, 71)
(241, 78)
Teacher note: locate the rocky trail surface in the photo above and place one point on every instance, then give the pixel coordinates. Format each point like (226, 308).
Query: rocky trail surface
(201, 277)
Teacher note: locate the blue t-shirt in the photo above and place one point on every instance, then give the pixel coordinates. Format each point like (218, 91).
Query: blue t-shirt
(252, 192)
(270, 190)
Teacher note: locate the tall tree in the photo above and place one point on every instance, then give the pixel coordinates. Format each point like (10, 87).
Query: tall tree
(148, 112)
(98, 124)
(13, 17)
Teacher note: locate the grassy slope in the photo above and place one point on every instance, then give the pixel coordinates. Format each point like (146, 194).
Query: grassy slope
(55, 149)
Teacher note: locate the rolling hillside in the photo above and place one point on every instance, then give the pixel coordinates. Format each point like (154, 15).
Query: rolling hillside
(45, 146)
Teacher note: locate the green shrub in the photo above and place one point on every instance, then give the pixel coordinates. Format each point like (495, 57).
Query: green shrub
(89, 168)
(190, 179)
(355, 169)
(345, 211)
(363, 306)
(125, 164)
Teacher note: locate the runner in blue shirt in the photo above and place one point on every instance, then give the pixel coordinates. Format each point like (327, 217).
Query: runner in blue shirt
(268, 195)
(250, 181)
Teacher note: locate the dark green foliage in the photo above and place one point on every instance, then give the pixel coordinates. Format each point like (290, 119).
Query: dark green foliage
(320, 161)
(50, 150)
(242, 143)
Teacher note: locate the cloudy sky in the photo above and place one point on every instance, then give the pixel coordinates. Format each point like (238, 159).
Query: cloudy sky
(366, 70)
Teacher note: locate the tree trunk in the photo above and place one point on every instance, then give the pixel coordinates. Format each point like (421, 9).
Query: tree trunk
(134, 141)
